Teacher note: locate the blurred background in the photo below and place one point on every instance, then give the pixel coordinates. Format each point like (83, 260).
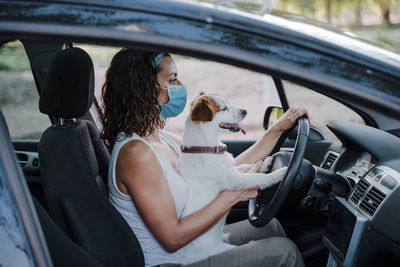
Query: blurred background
(375, 20)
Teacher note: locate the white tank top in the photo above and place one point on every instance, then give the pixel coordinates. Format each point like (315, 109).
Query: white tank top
(154, 253)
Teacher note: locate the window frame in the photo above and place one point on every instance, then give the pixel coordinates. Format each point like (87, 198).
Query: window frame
(21, 196)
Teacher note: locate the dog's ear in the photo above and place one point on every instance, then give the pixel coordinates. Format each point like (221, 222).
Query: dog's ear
(201, 111)
(200, 94)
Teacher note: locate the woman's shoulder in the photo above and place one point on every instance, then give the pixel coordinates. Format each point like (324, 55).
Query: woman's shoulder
(136, 151)
(135, 166)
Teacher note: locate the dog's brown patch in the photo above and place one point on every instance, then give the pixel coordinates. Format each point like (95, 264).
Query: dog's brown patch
(204, 109)
(214, 106)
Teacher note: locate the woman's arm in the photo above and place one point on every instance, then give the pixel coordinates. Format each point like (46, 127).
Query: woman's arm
(140, 174)
(263, 147)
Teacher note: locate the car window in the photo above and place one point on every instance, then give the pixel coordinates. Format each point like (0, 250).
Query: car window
(322, 108)
(19, 98)
(14, 248)
(242, 88)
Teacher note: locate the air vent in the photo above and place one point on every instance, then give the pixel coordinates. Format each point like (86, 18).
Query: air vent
(22, 159)
(329, 161)
(360, 190)
(372, 201)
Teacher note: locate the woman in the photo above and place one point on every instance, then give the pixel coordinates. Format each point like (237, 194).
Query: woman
(141, 90)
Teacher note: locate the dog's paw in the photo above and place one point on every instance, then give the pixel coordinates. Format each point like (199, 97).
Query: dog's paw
(273, 178)
(279, 174)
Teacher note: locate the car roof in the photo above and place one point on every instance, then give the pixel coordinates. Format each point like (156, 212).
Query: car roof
(279, 23)
(286, 23)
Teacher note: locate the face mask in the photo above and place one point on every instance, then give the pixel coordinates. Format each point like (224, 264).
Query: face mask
(177, 101)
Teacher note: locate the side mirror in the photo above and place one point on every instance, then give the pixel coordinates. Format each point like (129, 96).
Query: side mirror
(272, 114)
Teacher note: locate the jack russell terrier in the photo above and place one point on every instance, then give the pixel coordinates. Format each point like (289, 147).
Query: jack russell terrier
(207, 168)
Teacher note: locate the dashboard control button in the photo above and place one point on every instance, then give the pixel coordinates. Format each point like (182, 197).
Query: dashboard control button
(389, 182)
(378, 178)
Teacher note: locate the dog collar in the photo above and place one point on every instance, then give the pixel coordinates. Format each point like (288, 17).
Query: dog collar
(204, 149)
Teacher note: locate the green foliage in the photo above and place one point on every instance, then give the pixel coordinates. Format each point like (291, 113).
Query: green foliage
(385, 40)
(388, 35)
(307, 6)
(248, 6)
(384, 4)
(13, 57)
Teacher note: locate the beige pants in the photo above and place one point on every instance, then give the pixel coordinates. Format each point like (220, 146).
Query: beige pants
(266, 246)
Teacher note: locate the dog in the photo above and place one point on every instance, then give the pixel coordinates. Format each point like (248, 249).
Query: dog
(208, 169)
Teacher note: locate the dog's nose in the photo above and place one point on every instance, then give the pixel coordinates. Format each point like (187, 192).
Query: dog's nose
(243, 112)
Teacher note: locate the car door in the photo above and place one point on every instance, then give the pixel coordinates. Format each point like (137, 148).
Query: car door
(22, 241)
(323, 147)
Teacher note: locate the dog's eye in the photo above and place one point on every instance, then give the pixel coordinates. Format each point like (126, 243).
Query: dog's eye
(225, 108)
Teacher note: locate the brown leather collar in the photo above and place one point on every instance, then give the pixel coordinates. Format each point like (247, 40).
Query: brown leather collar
(204, 149)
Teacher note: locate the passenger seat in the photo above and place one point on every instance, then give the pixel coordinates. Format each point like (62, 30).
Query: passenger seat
(74, 164)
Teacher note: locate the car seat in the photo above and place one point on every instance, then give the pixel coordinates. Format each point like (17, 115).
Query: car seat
(74, 164)
(63, 252)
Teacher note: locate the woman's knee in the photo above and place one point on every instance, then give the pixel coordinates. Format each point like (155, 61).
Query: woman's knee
(290, 252)
(276, 227)
(282, 251)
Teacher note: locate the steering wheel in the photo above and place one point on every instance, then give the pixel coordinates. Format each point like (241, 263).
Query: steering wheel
(261, 209)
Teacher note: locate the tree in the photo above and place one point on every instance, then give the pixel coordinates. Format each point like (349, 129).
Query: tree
(307, 6)
(385, 6)
(304, 7)
(328, 10)
(358, 8)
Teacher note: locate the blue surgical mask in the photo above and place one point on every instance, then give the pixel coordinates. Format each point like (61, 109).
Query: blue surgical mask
(177, 101)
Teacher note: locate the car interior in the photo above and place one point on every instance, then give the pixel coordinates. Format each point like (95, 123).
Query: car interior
(355, 172)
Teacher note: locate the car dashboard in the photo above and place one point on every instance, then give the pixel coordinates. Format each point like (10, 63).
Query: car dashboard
(364, 227)
(371, 191)
(363, 164)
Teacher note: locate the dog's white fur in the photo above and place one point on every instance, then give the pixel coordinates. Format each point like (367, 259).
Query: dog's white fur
(206, 175)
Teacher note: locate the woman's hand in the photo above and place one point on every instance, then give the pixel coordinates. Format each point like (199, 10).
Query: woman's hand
(290, 117)
(263, 147)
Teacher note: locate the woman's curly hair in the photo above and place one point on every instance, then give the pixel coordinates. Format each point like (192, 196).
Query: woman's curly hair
(130, 96)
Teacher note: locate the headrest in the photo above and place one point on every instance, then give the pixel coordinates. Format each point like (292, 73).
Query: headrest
(69, 87)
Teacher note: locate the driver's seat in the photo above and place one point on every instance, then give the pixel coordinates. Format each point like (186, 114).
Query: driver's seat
(70, 165)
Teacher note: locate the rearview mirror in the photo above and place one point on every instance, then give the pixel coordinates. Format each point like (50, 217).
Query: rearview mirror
(272, 114)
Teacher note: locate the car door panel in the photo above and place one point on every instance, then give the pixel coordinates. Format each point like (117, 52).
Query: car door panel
(28, 158)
